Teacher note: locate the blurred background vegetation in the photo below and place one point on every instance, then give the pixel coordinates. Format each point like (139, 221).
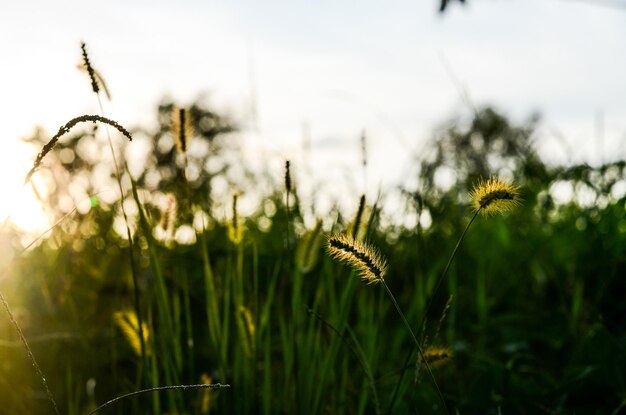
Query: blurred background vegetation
(535, 322)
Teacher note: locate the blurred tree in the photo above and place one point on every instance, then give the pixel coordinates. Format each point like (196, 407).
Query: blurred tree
(79, 167)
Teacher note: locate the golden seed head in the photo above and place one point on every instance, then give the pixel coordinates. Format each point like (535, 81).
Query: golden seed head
(128, 323)
(437, 356)
(363, 257)
(206, 401)
(247, 329)
(235, 225)
(182, 128)
(494, 195)
(168, 216)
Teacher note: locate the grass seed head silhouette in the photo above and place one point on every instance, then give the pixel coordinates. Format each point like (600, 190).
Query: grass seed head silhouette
(288, 183)
(89, 68)
(66, 129)
(360, 255)
(494, 195)
(182, 128)
(235, 227)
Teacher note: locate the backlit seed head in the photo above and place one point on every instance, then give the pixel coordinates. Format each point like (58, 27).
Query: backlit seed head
(437, 356)
(363, 257)
(182, 128)
(493, 196)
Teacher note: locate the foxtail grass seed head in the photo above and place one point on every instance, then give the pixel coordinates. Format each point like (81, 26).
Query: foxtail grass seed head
(128, 323)
(89, 68)
(99, 79)
(360, 255)
(437, 356)
(494, 195)
(168, 218)
(288, 184)
(235, 228)
(181, 128)
(247, 330)
(206, 401)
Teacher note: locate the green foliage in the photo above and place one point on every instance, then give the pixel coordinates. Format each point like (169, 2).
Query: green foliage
(535, 322)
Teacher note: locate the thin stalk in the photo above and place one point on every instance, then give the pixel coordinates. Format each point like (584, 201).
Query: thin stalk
(160, 389)
(133, 264)
(31, 357)
(357, 351)
(417, 343)
(429, 304)
(396, 389)
(17, 327)
(447, 268)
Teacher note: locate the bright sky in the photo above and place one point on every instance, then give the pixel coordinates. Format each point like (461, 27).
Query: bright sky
(335, 67)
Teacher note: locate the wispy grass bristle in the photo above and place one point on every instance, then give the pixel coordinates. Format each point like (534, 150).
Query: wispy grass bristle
(494, 195)
(65, 129)
(360, 255)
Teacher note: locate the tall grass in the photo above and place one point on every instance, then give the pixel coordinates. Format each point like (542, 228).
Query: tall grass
(254, 303)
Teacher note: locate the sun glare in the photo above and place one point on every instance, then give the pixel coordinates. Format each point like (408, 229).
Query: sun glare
(20, 204)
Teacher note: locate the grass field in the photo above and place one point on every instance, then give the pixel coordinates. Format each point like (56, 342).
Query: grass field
(164, 289)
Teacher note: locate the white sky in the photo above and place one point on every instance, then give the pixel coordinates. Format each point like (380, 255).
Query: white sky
(338, 67)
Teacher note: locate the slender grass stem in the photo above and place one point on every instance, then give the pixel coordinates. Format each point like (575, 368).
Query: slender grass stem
(417, 343)
(16, 325)
(447, 268)
(133, 264)
(160, 389)
(357, 351)
(29, 352)
(429, 305)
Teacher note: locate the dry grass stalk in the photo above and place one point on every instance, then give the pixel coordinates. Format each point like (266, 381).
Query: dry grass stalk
(65, 129)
